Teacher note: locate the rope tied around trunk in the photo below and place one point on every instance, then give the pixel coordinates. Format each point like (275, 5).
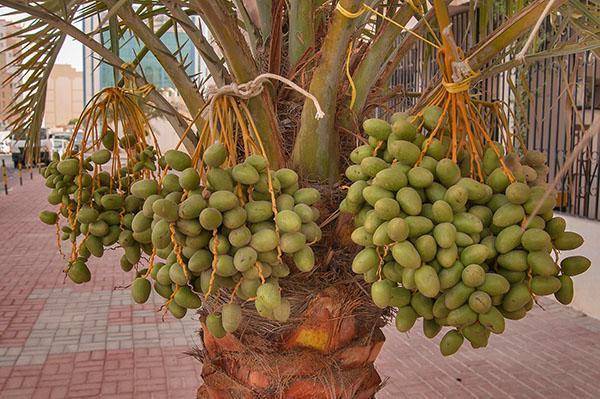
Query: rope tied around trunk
(254, 87)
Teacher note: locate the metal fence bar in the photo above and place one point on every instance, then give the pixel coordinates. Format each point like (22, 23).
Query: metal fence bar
(552, 124)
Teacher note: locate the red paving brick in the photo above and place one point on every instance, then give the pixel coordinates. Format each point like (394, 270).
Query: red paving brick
(58, 340)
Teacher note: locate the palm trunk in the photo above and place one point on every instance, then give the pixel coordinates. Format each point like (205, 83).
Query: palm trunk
(302, 29)
(316, 150)
(370, 68)
(328, 348)
(328, 355)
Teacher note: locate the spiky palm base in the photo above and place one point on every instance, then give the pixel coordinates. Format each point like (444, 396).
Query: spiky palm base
(328, 354)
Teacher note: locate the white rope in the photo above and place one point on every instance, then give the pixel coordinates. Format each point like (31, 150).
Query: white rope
(255, 87)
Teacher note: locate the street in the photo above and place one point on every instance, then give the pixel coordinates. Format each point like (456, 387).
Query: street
(7, 160)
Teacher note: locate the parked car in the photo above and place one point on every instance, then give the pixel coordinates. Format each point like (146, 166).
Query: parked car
(49, 143)
(5, 142)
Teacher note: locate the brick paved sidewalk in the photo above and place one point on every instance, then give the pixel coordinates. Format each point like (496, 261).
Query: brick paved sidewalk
(61, 340)
(552, 353)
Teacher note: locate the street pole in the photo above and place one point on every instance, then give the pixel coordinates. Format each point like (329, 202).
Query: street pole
(4, 177)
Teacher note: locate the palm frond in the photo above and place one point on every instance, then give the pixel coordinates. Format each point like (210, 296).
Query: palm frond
(214, 63)
(585, 19)
(254, 36)
(558, 51)
(259, 13)
(29, 71)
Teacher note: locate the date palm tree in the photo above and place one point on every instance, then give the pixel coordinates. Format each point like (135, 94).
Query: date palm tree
(342, 52)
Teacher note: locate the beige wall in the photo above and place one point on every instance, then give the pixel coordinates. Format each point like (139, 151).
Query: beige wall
(587, 285)
(64, 98)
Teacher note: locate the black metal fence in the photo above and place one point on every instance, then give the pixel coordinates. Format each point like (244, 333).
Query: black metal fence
(552, 103)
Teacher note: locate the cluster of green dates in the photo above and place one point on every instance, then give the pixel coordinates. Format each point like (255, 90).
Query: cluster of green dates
(95, 204)
(446, 247)
(225, 232)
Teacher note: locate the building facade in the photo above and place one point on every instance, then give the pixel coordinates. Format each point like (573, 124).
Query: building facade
(98, 75)
(64, 96)
(7, 91)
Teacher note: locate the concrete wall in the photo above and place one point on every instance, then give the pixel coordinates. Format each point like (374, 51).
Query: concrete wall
(587, 285)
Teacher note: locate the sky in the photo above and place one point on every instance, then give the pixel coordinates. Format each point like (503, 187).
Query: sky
(71, 53)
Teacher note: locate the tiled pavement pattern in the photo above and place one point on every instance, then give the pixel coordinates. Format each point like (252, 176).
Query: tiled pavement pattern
(552, 353)
(60, 340)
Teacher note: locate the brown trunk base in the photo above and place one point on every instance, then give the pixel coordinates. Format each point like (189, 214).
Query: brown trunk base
(327, 356)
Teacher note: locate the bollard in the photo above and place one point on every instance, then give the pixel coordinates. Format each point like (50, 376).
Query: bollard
(4, 177)
(20, 174)
(30, 172)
